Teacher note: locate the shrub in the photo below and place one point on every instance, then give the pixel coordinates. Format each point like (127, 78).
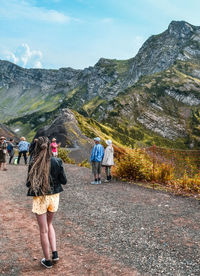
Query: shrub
(186, 183)
(164, 173)
(134, 165)
(85, 163)
(63, 154)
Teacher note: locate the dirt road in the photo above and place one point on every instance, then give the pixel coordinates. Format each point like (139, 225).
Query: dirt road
(108, 229)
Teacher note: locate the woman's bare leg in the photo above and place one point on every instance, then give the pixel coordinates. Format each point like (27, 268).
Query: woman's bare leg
(51, 231)
(42, 222)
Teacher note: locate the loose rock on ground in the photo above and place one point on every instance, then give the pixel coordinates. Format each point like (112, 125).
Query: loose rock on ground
(109, 229)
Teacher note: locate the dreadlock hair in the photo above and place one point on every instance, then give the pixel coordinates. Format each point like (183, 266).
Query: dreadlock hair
(38, 175)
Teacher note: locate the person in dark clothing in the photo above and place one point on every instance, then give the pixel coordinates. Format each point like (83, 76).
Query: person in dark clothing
(3, 150)
(11, 150)
(45, 178)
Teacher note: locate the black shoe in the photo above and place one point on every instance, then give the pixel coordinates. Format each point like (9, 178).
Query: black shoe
(46, 263)
(55, 256)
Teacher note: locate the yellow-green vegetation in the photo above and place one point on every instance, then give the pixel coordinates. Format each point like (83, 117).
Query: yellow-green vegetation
(92, 128)
(195, 124)
(122, 134)
(85, 164)
(138, 165)
(110, 66)
(135, 165)
(186, 183)
(43, 104)
(92, 105)
(71, 93)
(63, 154)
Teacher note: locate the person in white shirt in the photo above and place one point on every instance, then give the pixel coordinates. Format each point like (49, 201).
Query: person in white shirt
(108, 160)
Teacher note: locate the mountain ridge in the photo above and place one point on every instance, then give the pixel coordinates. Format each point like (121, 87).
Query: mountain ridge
(93, 91)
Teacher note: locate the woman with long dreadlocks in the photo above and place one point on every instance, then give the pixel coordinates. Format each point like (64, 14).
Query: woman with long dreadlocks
(45, 176)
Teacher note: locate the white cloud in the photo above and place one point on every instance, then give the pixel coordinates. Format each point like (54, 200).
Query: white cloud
(20, 9)
(25, 57)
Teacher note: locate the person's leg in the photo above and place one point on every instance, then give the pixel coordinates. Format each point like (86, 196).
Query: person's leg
(4, 166)
(12, 156)
(94, 171)
(99, 172)
(10, 159)
(19, 156)
(109, 173)
(106, 171)
(43, 225)
(51, 231)
(25, 157)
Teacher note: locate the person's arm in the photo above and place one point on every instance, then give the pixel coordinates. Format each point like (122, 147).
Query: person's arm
(62, 176)
(102, 152)
(92, 154)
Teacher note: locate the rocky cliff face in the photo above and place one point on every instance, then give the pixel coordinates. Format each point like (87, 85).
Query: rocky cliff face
(163, 103)
(163, 75)
(66, 130)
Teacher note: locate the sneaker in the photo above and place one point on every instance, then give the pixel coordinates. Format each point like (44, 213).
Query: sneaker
(55, 256)
(94, 182)
(99, 182)
(46, 263)
(106, 181)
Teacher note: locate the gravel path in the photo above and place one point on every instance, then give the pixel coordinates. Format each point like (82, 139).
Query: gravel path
(108, 229)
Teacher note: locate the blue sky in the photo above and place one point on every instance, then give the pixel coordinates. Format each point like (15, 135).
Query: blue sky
(76, 33)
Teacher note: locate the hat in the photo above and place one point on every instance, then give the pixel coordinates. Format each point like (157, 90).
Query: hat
(2, 137)
(108, 142)
(97, 139)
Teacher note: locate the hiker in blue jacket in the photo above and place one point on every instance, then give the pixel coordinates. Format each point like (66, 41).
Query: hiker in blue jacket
(23, 148)
(96, 160)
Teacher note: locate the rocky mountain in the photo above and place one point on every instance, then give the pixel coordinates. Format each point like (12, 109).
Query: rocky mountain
(158, 89)
(165, 103)
(66, 130)
(179, 42)
(8, 133)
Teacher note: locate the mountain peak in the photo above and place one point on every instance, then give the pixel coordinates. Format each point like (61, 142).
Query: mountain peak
(180, 28)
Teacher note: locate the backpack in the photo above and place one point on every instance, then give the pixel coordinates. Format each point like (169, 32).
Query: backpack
(9, 147)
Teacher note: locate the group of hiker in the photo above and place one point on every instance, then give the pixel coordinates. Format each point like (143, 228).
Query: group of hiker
(10, 147)
(23, 147)
(45, 178)
(100, 158)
